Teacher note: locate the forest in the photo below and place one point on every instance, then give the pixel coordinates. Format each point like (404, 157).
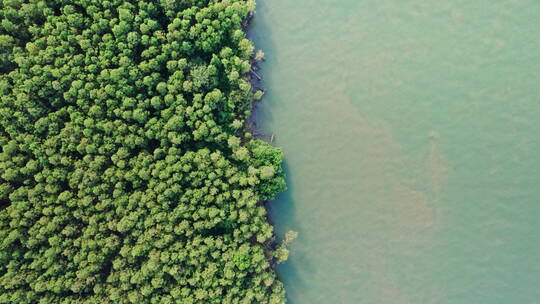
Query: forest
(128, 173)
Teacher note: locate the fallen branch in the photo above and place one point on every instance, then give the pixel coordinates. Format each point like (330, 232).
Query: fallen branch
(256, 75)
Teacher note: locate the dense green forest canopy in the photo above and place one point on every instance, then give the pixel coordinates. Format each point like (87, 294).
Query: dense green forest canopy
(127, 174)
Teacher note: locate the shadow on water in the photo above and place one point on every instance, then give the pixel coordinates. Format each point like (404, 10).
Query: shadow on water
(281, 214)
(282, 209)
(259, 33)
(283, 205)
(296, 271)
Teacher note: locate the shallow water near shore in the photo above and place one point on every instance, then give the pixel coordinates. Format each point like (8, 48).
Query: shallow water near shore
(410, 130)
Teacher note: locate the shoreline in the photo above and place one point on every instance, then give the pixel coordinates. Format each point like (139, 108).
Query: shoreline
(251, 125)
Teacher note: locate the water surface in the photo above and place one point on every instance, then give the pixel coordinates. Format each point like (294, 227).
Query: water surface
(410, 129)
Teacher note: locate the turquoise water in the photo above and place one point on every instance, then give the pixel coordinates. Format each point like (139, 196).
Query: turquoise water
(410, 129)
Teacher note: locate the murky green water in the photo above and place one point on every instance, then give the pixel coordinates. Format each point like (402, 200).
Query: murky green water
(411, 130)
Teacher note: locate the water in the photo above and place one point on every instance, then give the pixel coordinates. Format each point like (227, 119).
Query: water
(411, 136)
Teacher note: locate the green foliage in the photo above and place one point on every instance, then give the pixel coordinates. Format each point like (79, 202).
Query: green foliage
(282, 252)
(258, 95)
(242, 261)
(125, 172)
(259, 55)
